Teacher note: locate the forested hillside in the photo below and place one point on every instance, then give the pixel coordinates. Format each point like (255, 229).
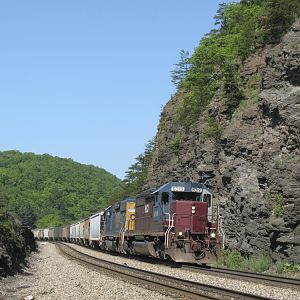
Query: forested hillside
(48, 191)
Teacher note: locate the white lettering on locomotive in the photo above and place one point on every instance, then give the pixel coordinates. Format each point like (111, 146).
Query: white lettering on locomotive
(196, 190)
(177, 188)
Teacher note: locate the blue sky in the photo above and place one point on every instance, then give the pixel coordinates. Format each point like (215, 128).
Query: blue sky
(86, 80)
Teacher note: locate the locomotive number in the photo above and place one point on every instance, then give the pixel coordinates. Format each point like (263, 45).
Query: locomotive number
(177, 188)
(196, 190)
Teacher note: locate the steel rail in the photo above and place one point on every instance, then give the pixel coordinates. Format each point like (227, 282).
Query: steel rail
(171, 286)
(249, 276)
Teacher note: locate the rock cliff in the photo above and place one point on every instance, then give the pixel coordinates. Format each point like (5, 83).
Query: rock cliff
(16, 241)
(252, 160)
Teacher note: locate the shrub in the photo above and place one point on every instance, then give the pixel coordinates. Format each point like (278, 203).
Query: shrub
(175, 143)
(213, 129)
(285, 267)
(278, 208)
(258, 263)
(233, 259)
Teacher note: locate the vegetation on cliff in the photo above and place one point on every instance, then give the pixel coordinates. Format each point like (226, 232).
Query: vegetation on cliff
(16, 241)
(243, 28)
(136, 175)
(50, 191)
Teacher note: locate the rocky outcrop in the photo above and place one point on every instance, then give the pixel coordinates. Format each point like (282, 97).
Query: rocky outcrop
(16, 241)
(253, 164)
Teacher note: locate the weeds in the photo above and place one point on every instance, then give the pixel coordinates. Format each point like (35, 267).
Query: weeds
(232, 259)
(212, 130)
(278, 208)
(284, 267)
(175, 143)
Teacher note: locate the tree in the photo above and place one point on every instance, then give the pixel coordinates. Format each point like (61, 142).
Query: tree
(136, 175)
(181, 68)
(34, 186)
(279, 17)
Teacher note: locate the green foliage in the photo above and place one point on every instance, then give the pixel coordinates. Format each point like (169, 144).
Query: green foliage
(136, 175)
(181, 68)
(278, 207)
(259, 263)
(175, 143)
(7, 225)
(51, 220)
(213, 129)
(233, 259)
(50, 190)
(15, 241)
(244, 27)
(279, 17)
(285, 267)
(233, 88)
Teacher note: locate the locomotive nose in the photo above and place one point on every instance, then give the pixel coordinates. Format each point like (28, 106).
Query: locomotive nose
(190, 216)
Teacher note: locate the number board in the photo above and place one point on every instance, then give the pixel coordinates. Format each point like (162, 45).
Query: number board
(177, 188)
(196, 190)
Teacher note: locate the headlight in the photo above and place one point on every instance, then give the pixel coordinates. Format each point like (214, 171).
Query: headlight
(212, 234)
(179, 233)
(193, 209)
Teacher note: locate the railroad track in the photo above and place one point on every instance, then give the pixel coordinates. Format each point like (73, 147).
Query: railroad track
(248, 276)
(167, 285)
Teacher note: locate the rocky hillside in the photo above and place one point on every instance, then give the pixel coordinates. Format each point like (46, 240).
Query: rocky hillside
(252, 158)
(16, 241)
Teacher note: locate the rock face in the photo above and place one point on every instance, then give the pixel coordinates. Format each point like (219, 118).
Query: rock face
(16, 241)
(254, 163)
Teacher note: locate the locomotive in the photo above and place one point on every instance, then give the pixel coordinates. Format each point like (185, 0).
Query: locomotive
(178, 221)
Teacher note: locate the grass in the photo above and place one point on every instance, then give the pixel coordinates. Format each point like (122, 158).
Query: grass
(278, 207)
(285, 267)
(232, 259)
(212, 130)
(175, 143)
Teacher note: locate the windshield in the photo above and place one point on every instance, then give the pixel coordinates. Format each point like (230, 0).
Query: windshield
(187, 196)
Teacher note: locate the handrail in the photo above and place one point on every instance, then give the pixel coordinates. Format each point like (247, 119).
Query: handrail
(171, 225)
(166, 232)
(220, 227)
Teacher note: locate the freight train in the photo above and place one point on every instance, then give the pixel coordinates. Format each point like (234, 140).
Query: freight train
(178, 221)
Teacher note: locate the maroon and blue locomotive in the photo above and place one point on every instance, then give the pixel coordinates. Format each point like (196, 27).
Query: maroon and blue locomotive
(178, 221)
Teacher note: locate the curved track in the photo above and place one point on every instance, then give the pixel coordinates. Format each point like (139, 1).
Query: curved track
(249, 276)
(166, 284)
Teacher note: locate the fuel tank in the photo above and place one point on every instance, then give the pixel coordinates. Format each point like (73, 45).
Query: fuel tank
(144, 248)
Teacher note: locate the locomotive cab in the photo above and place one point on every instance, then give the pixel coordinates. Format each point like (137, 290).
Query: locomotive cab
(190, 229)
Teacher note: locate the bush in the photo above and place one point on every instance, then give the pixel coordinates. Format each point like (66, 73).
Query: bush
(278, 208)
(232, 259)
(284, 267)
(175, 143)
(213, 129)
(258, 263)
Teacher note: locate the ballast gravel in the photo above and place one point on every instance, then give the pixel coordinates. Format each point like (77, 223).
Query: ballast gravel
(269, 292)
(51, 276)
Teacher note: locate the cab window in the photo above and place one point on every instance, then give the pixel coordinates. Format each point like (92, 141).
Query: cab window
(207, 198)
(165, 198)
(198, 198)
